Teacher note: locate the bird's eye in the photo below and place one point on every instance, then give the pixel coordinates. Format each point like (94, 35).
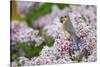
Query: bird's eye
(65, 16)
(61, 19)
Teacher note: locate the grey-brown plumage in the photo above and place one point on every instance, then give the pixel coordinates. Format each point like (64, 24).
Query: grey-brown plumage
(68, 26)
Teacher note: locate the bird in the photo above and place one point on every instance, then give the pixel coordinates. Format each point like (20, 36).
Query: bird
(68, 28)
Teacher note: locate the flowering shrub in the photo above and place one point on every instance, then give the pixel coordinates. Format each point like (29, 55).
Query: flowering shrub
(40, 39)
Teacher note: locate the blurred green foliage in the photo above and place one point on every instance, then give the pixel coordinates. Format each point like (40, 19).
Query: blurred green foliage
(37, 12)
(31, 50)
(49, 41)
(42, 32)
(14, 56)
(42, 10)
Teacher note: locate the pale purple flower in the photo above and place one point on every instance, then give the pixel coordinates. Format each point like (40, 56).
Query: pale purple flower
(20, 32)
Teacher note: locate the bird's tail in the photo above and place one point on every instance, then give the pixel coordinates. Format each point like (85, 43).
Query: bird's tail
(76, 41)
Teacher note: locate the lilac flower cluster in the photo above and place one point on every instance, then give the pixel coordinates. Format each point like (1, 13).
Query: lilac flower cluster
(83, 19)
(20, 32)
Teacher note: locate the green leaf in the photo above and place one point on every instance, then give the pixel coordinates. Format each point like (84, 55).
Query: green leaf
(50, 41)
(14, 56)
(38, 12)
(62, 6)
(26, 48)
(30, 50)
(42, 32)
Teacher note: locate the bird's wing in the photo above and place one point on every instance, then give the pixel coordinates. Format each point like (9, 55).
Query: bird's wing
(69, 27)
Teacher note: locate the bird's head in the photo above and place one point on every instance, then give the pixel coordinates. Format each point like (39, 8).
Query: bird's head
(64, 19)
